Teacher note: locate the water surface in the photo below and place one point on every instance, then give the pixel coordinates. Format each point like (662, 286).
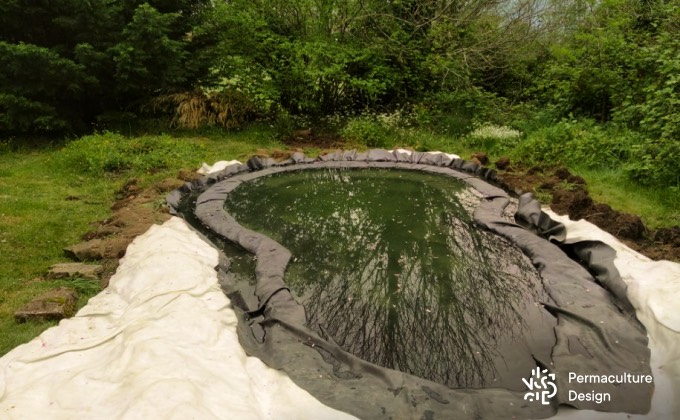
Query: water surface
(391, 265)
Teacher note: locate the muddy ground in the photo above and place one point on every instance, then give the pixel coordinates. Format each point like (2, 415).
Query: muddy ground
(136, 209)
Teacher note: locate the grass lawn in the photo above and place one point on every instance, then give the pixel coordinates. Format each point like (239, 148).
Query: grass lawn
(43, 208)
(46, 204)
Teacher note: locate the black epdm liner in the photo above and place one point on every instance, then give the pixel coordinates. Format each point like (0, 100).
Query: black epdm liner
(597, 331)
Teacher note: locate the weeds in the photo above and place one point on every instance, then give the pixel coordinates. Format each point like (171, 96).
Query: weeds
(367, 131)
(493, 137)
(107, 152)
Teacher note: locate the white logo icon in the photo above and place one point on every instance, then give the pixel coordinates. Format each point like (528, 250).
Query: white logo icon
(541, 386)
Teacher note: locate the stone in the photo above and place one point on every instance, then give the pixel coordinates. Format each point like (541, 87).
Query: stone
(70, 270)
(51, 306)
(93, 249)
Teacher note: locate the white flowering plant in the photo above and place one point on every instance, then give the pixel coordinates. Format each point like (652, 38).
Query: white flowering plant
(491, 136)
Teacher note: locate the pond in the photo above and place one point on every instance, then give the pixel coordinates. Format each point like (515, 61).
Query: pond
(391, 266)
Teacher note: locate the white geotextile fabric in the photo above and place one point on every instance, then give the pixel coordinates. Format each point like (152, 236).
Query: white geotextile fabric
(159, 343)
(449, 155)
(216, 167)
(654, 291)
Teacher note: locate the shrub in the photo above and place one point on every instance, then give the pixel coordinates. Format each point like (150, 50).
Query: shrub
(112, 153)
(578, 142)
(655, 162)
(455, 112)
(228, 109)
(367, 131)
(594, 146)
(285, 124)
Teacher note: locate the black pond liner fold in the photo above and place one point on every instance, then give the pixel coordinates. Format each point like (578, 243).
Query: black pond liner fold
(597, 332)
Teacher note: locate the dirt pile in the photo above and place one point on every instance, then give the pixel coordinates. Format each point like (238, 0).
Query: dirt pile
(568, 194)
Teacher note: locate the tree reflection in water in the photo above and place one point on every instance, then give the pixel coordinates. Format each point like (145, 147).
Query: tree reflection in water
(393, 268)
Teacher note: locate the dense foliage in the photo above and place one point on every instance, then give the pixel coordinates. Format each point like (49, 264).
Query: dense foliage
(621, 65)
(568, 75)
(69, 64)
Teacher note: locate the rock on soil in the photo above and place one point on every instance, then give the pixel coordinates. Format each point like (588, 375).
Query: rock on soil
(51, 306)
(69, 270)
(99, 249)
(84, 251)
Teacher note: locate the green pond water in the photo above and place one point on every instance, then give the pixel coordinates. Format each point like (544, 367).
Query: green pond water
(392, 266)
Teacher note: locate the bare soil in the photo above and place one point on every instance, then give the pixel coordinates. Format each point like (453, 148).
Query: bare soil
(568, 195)
(134, 211)
(314, 138)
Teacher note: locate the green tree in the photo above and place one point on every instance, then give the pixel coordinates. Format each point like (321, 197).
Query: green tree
(38, 87)
(620, 63)
(147, 60)
(68, 62)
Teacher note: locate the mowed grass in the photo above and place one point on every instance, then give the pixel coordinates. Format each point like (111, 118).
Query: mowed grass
(47, 204)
